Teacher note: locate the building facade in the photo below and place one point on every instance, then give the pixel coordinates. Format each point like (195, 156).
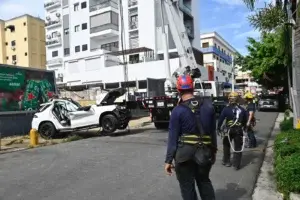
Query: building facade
(218, 53)
(85, 40)
(22, 42)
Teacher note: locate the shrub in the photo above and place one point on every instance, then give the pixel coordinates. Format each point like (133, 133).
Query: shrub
(287, 124)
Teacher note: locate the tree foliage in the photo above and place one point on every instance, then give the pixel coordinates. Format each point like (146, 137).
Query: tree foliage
(265, 60)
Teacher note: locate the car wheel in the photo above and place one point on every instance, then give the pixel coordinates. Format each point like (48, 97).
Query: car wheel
(123, 126)
(109, 123)
(47, 130)
(161, 125)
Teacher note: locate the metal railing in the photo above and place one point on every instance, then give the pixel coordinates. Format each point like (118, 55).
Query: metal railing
(132, 3)
(104, 27)
(53, 41)
(51, 3)
(104, 4)
(50, 23)
(133, 25)
(54, 61)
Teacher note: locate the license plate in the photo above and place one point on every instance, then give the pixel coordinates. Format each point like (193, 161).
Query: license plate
(170, 105)
(160, 104)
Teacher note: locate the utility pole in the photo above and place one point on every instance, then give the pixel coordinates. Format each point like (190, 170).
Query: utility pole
(232, 80)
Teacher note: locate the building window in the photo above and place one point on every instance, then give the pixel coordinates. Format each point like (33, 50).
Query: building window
(219, 47)
(24, 23)
(205, 45)
(25, 53)
(25, 39)
(215, 45)
(83, 5)
(54, 34)
(6, 43)
(77, 28)
(67, 51)
(14, 57)
(217, 58)
(84, 26)
(66, 31)
(214, 56)
(84, 47)
(54, 54)
(7, 58)
(77, 49)
(76, 7)
(13, 43)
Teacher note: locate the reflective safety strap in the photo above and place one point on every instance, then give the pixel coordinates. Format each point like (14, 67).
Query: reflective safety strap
(195, 139)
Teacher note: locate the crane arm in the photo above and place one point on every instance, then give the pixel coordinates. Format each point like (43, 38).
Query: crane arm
(182, 43)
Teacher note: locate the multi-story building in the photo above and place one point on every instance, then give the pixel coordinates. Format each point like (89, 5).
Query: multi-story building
(217, 52)
(22, 42)
(245, 81)
(85, 40)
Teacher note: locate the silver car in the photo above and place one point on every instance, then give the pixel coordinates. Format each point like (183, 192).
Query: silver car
(268, 102)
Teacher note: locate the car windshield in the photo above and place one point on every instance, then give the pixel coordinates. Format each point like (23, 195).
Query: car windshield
(269, 97)
(205, 85)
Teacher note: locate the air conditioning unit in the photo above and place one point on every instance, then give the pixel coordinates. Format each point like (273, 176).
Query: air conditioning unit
(58, 34)
(13, 47)
(48, 18)
(49, 37)
(57, 14)
(14, 62)
(60, 75)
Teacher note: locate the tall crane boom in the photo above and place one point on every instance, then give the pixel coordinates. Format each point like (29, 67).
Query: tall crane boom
(184, 48)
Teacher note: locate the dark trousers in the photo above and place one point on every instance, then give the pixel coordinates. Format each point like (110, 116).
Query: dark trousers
(187, 173)
(252, 139)
(236, 136)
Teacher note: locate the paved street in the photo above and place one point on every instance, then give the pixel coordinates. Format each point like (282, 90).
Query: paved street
(117, 168)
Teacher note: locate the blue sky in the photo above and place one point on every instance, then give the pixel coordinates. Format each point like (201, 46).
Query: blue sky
(227, 17)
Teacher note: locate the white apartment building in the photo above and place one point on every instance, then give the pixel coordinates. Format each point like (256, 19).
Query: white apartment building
(84, 41)
(217, 52)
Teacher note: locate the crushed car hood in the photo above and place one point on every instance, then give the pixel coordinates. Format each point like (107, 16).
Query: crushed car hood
(111, 97)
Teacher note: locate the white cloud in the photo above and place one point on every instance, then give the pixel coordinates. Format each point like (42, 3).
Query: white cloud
(14, 8)
(252, 33)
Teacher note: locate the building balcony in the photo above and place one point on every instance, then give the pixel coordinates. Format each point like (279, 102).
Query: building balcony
(218, 52)
(113, 46)
(52, 4)
(133, 25)
(54, 62)
(53, 24)
(132, 3)
(53, 42)
(105, 4)
(104, 31)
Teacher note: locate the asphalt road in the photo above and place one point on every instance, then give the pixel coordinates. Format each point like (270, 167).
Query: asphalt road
(124, 167)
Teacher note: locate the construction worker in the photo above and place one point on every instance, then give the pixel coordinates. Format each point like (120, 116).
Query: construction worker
(236, 119)
(192, 142)
(250, 107)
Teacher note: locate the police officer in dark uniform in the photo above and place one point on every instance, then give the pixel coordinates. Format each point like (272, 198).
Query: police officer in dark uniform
(192, 142)
(251, 108)
(236, 120)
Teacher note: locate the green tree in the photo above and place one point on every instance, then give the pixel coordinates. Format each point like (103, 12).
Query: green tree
(265, 61)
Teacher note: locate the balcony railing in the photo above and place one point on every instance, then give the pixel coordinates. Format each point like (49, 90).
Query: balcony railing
(52, 23)
(52, 4)
(133, 25)
(218, 52)
(104, 4)
(53, 41)
(56, 61)
(104, 27)
(132, 3)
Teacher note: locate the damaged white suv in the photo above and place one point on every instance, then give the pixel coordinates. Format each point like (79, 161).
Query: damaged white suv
(65, 115)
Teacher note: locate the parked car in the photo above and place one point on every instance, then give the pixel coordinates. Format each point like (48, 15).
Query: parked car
(268, 102)
(66, 115)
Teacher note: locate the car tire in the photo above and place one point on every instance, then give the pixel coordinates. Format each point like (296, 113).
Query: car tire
(123, 126)
(160, 126)
(47, 130)
(109, 123)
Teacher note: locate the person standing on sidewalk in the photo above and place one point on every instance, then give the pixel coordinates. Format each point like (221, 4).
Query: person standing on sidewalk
(192, 142)
(250, 107)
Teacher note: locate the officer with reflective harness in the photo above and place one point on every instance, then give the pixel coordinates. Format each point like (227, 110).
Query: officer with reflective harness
(192, 142)
(236, 119)
(250, 107)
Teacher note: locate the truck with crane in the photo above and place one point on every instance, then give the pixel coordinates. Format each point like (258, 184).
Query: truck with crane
(165, 96)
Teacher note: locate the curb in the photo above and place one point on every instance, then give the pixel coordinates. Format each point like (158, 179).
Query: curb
(11, 151)
(265, 187)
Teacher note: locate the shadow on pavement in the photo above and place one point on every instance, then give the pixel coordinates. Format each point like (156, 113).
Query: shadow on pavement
(231, 192)
(248, 158)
